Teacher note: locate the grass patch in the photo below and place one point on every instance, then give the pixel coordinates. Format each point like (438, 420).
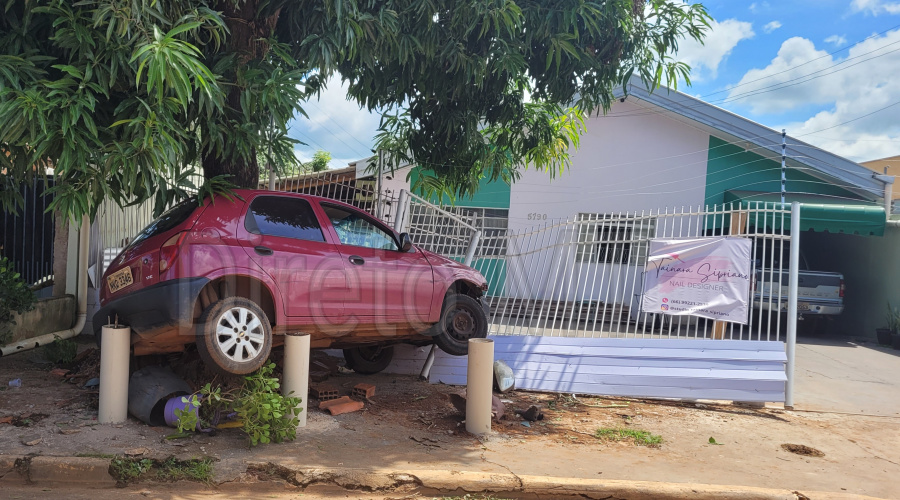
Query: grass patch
(636, 436)
(129, 470)
(179, 470)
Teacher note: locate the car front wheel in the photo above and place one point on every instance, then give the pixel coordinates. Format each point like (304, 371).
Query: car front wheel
(369, 359)
(234, 336)
(462, 318)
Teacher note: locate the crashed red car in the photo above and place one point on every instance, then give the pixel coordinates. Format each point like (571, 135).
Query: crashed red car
(233, 275)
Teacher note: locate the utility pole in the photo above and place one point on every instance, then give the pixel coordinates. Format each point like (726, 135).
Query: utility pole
(783, 164)
(378, 184)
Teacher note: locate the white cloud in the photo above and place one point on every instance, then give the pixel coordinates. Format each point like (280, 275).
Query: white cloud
(875, 7)
(772, 26)
(757, 7)
(847, 87)
(837, 40)
(722, 38)
(335, 125)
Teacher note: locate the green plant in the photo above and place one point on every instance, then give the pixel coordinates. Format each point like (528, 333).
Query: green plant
(266, 414)
(638, 437)
(179, 470)
(893, 318)
(61, 351)
(15, 297)
(125, 469)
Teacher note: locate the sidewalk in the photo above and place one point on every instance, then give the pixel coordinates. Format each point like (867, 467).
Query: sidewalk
(409, 434)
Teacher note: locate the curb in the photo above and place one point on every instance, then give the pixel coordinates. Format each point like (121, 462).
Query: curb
(94, 472)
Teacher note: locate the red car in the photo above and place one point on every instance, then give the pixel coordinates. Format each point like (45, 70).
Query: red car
(232, 275)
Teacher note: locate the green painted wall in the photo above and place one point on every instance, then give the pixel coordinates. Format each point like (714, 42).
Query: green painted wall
(489, 194)
(731, 167)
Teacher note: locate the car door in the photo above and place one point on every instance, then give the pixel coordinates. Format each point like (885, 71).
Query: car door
(386, 284)
(283, 235)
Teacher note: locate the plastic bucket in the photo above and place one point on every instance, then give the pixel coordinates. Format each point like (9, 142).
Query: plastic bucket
(177, 403)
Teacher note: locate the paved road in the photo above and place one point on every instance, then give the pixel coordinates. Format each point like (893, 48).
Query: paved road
(845, 376)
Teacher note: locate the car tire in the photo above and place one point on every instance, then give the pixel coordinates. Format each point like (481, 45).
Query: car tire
(369, 359)
(234, 336)
(462, 318)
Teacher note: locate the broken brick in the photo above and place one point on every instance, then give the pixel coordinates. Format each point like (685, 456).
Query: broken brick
(59, 372)
(324, 405)
(324, 392)
(364, 390)
(349, 406)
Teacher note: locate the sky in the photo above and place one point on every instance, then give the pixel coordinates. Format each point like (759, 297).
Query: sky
(827, 71)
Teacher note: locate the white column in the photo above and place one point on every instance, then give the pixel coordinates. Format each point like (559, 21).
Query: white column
(115, 352)
(793, 282)
(479, 383)
(296, 371)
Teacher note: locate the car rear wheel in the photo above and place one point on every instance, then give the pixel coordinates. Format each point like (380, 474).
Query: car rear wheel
(234, 336)
(369, 359)
(462, 318)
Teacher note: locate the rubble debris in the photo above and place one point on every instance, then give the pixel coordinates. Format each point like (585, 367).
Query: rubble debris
(59, 372)
(322, 366)
(324, 392)
(498, 409)
(504, 378)
(532, 414)
(364, 390)
(324, 405)
(346, 407)
(32, 440)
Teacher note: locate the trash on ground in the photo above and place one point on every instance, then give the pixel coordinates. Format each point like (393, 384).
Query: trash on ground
(150, 389)
(16, 382)
(532, 414)
(504, 378)
(94, 382)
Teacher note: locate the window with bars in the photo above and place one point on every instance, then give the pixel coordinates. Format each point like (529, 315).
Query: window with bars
(614, 239)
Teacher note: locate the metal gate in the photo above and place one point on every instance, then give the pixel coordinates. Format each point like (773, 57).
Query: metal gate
(27, 237)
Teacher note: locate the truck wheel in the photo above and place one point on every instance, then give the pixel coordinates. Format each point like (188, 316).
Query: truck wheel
(369, 359)
(462, 318)
(234, 336)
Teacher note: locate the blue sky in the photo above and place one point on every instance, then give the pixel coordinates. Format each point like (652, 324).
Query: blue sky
(810, 66)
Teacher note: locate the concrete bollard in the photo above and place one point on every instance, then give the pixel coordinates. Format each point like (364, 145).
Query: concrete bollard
(296, 371)
(115, 354)
(479, 384)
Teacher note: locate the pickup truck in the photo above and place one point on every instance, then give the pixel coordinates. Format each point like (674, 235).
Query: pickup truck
(819, 293)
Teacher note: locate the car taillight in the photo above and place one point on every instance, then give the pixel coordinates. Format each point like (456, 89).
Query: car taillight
(842, 289)
(169, 250)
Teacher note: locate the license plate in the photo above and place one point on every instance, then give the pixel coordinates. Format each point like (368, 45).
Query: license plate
(803, 306)
(119, 279)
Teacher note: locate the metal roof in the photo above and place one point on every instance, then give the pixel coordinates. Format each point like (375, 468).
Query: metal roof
(762, 139)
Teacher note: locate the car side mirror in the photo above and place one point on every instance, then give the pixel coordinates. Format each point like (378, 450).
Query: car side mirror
(405, 242)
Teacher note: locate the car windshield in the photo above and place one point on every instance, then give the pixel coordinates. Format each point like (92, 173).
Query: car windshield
(169, 219)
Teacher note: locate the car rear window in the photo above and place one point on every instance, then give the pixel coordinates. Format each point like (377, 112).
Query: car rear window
(168, 220)
(284, 217)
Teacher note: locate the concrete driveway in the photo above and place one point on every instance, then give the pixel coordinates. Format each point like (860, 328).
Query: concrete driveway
(841, 375)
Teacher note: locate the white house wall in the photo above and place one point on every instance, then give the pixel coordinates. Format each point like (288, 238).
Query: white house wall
(635, 163)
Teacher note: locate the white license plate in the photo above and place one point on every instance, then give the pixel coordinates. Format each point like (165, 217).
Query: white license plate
(119, 279)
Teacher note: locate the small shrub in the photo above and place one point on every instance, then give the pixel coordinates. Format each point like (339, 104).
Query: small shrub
(266, 414)
(61, 351)
(15, 297)
(124, 469)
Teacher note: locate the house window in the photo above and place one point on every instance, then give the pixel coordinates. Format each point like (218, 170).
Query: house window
(614, 239)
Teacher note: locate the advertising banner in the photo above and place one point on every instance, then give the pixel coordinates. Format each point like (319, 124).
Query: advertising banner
(706, 277)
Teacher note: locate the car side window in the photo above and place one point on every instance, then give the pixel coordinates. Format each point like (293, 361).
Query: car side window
(283, 216)
(354, 229)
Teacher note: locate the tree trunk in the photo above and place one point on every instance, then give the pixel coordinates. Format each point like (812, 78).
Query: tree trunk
(60, 253)
(247, 38)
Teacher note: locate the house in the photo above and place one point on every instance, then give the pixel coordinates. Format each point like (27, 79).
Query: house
(666, 150)
(886, 166)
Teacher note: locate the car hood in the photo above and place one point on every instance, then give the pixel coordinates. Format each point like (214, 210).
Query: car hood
(443, 265)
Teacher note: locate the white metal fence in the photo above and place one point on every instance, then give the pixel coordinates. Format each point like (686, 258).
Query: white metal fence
(583, 277)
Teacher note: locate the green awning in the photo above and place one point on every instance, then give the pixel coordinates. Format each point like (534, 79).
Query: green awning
(817, 212)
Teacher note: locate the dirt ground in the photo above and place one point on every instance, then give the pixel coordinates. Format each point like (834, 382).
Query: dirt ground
(412, 424)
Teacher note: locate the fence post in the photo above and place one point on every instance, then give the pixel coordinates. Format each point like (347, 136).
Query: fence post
(792, 304)
(402, 207)
(470, 256)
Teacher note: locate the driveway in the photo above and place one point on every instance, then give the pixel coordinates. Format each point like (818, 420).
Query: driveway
(840, 375)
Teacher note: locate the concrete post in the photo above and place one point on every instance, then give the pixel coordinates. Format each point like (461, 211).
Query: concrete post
(115, 352)
(296, 371)
(793, 282)
(479, 384)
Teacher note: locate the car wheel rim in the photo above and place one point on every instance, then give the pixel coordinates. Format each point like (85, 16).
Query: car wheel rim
(239, 334)
(462, 324)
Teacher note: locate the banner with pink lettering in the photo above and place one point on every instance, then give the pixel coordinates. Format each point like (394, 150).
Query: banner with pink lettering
(705, 277)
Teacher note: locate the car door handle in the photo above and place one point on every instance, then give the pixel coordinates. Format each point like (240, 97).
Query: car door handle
(356, 260)
(263, 250)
